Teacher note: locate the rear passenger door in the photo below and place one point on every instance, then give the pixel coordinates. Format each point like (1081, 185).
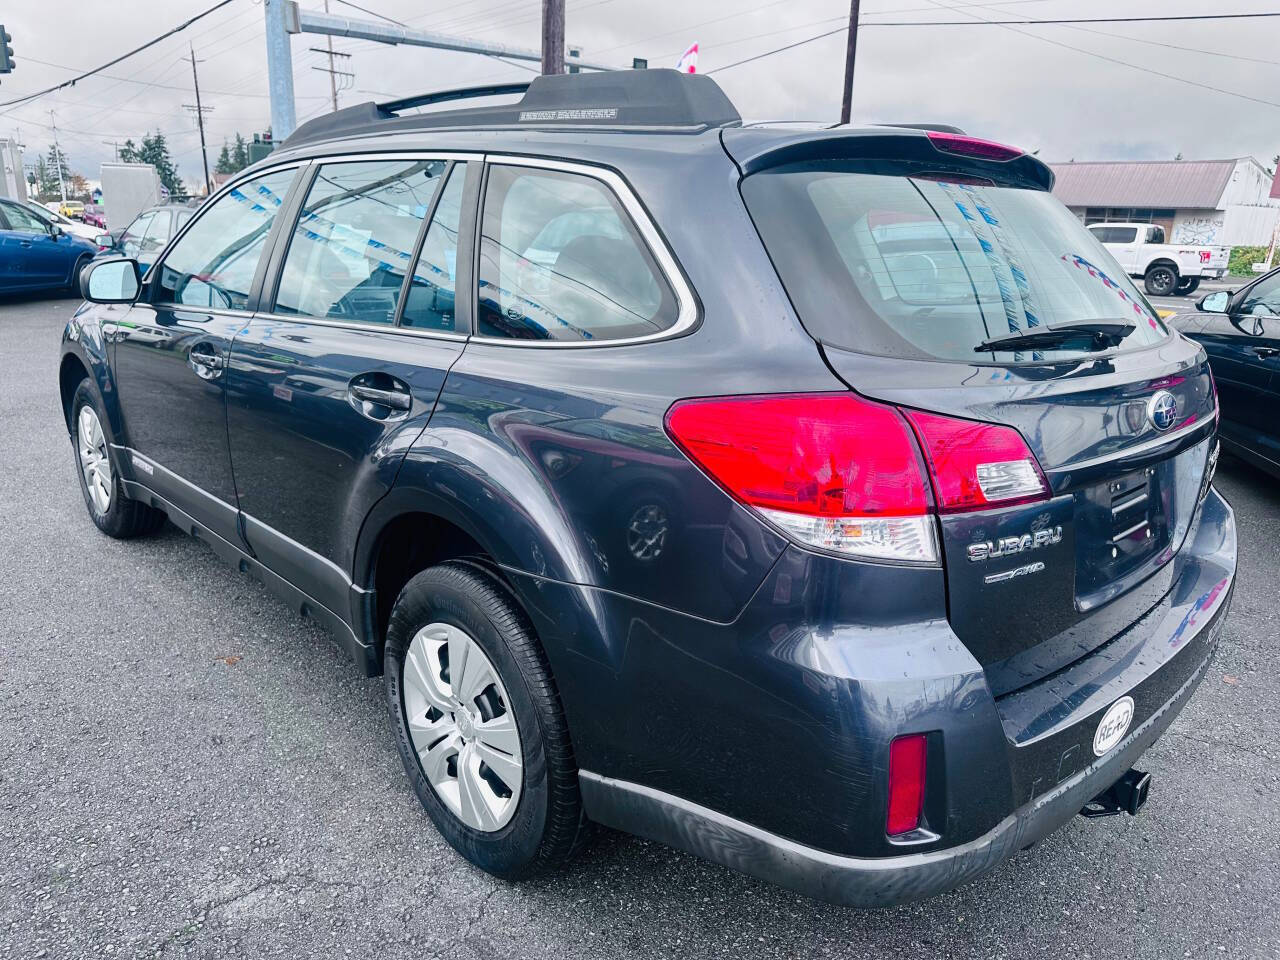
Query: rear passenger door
(340, 370)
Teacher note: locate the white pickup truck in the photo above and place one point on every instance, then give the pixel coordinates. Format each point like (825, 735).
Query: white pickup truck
(1166, 268)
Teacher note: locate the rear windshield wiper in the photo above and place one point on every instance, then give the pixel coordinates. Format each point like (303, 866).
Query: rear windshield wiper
(1089, 334)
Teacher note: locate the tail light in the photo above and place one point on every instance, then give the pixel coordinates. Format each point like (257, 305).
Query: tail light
(842, 473)
(907, 771)
(976, 465)
(971, 146)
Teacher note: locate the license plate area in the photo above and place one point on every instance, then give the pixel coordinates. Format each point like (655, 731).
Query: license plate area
(1121, 524)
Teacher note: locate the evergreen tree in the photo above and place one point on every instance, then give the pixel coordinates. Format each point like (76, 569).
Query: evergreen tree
(224, 164)
(47, 172)
(155, 151)
(129, 152)
(240, 154)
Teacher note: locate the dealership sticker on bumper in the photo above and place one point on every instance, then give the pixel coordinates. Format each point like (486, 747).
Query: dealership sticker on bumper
(1113, 725)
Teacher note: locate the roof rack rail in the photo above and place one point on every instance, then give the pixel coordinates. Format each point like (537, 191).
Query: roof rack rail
(461, 93)
(655, 99)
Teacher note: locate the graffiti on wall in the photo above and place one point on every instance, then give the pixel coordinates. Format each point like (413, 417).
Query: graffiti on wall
(1198, 230)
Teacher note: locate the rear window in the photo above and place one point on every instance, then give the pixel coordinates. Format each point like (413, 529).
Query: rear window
(1115, 234)
(913, 266)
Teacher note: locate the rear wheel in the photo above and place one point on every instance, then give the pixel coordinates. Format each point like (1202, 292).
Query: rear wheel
(1161, 280)
(1187, 285)
(109, 507)
(479, 724)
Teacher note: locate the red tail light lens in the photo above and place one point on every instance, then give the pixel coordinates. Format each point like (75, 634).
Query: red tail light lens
(906, 784)
(972, 146)
(839, 472)
(832, 470)
(976, 465)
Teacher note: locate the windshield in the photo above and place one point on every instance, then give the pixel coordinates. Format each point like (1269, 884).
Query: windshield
(918, 266)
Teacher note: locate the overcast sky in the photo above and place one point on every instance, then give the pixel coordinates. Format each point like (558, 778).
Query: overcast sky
(1021, 85)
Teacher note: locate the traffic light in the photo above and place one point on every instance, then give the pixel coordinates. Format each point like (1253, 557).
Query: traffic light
(6, 51)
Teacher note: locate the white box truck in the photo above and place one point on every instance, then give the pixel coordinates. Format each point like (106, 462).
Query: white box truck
(127, 190)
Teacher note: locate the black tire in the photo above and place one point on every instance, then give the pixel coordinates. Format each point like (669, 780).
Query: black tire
(1187, 286)
(1161, 280)
(548, 826)
(124, 518)
(73, 287)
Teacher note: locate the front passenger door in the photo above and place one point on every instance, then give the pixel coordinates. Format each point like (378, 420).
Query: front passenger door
(340, 370)
(171, 352)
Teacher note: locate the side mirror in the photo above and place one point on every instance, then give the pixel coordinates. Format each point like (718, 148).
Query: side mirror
(105, 241)
(55, 230)
(111, 281)
(1215, 302)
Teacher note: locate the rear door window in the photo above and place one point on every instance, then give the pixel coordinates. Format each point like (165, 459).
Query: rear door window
(927, 268)
(430, 301)
(560, 260)
(354, 240)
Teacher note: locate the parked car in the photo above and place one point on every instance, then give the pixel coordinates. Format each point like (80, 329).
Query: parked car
(1165, 268)
(35, 252)
(95, 215)
(676, 478)
(146, 236)
(1240, 331)
(74, 227)
(71, 209)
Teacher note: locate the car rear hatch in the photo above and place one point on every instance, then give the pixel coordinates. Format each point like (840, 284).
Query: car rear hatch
(903, 252)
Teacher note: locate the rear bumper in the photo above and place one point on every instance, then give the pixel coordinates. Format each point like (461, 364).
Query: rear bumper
(1160, 670)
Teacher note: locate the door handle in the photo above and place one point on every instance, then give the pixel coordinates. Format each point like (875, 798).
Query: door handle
(387, 398)
(25, 243)
(1265, 352)
(205, 362)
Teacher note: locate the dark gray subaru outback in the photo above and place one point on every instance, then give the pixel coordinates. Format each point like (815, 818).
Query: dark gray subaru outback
(822, 501)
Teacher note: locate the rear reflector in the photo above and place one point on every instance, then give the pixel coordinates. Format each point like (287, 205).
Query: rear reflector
(976, 465)
(972, 146)
(832, 470)
(906, 784)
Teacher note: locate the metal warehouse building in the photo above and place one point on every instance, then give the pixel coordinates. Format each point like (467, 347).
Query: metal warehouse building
(1196, 201)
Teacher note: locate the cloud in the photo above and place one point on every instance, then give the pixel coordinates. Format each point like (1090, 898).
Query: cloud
(995, 82)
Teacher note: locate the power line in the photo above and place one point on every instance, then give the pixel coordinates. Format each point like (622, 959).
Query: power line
(150, 43)
(1040, 23)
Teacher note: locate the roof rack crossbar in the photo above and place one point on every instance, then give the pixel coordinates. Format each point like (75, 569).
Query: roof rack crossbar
(462, 93)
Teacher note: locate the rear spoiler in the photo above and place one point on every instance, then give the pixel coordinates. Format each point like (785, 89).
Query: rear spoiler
(924, 149)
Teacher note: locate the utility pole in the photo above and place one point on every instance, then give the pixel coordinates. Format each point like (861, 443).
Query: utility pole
(333, 73)
(57, 151)
(846, 107)
(114, 145)
(199, 112)
(553, 36)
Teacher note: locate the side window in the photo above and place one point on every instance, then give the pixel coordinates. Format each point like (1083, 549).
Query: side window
(1264, 299)
(355, 237)
(561, 260)
(1155, 234)
(23, 221)
(131, 239)
(430, 303)
(214, 262)
(158, 233)
(1123, 234)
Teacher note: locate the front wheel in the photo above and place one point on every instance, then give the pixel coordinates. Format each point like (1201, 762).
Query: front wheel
(109, 507)
(479, 724)
(1188, 285)
(1161, 280)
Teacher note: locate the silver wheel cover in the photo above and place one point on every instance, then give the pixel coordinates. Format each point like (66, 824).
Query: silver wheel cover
(91, 443)
(461, 726)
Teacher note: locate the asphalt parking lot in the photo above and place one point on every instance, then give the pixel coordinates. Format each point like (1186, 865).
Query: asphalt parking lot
(188, 769)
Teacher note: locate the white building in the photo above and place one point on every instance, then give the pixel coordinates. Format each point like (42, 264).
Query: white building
(13, 180)
(1196, 201)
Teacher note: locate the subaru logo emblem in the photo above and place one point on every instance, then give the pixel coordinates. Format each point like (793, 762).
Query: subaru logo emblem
(1162, 410)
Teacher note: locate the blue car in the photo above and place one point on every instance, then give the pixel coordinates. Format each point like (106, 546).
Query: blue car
(35, 254)
(826, 502)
